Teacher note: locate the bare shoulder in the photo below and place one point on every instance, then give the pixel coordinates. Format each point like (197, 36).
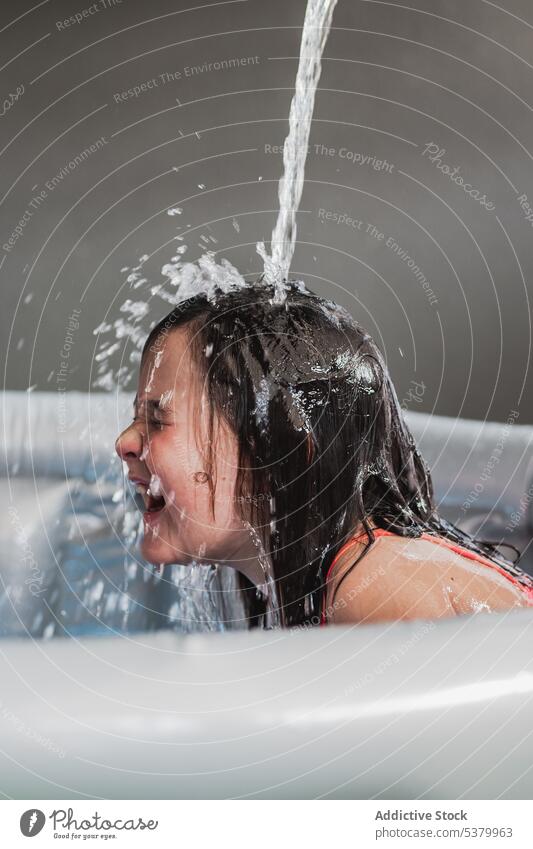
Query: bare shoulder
(389, 583)
(415, 579)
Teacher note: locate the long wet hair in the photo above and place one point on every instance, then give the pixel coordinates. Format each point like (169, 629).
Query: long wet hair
(324, 449)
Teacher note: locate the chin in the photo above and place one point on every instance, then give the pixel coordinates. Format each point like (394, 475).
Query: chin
(155, 551)
(158, 550)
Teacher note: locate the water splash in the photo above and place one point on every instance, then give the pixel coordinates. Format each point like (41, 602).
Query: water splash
(268, 588)
(184, 280)
(205, 276)
(316, 28)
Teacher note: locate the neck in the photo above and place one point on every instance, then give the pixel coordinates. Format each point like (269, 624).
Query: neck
(253, 570)
(246, 560)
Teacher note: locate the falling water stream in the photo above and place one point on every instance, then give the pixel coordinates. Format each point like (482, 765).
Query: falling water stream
(314, 36)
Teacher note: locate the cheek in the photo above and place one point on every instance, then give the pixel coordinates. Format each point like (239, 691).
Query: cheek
(176, 462)
(227, 508)
(173, 458)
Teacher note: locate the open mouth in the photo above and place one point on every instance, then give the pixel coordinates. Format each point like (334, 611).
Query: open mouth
(148, 497)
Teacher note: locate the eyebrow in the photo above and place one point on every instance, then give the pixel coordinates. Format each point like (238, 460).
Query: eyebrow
(151, 403)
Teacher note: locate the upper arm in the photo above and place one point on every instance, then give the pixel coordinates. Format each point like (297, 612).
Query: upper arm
(398, 589)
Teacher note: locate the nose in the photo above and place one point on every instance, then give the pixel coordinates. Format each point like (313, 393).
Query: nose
(130, 443)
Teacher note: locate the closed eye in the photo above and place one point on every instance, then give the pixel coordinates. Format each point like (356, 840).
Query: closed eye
(150, 420)
(147, 410)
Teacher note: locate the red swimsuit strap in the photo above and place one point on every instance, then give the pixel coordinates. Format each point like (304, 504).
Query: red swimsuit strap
(351, 542)
(446, 543)
(347, 545)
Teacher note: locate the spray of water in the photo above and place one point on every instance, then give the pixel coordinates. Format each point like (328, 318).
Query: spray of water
(185, 279)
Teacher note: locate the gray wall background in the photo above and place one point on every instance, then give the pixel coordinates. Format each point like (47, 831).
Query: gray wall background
(395, 79)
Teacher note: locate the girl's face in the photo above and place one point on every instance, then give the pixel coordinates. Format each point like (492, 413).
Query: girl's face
(161, 452)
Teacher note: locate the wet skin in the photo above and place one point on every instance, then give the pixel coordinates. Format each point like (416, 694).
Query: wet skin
(163, 444)
(414, 579)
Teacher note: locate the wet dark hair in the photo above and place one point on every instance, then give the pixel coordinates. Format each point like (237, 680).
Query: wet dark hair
(324, 449)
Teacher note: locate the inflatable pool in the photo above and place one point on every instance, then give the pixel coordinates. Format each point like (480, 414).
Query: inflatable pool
(121, 683)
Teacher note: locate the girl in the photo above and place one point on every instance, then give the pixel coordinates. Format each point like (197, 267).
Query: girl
(268, 436)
